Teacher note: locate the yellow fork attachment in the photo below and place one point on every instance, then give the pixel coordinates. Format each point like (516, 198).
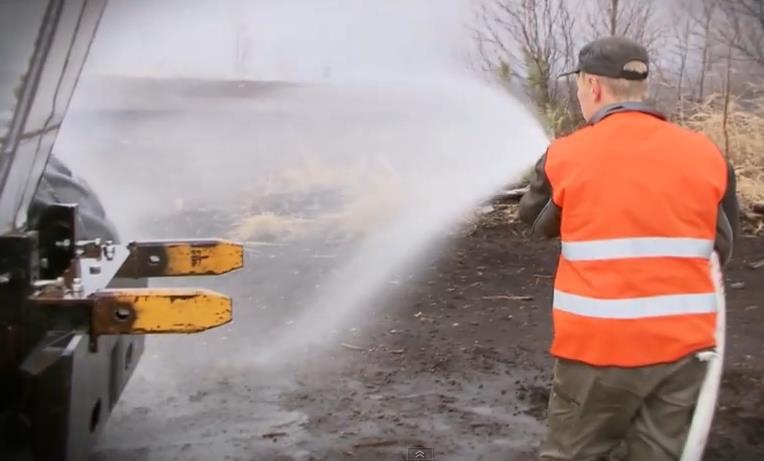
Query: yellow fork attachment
(181, 258)
(158, 311)
(87, 285)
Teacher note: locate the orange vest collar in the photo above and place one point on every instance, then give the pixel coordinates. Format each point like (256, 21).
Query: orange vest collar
(619, 107)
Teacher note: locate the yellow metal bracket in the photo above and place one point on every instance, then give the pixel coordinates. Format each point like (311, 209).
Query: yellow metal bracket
(181, 258)
(85, 286)
(141, 311)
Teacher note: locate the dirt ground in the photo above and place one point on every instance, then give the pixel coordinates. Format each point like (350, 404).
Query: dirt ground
(453, 360)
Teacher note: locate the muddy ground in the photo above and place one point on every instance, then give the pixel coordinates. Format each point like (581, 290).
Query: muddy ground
(450, 356)
(453, 359)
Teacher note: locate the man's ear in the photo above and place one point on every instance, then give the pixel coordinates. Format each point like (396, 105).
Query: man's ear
(595, 87)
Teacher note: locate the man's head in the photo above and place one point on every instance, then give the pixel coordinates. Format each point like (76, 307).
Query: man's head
(610, 70)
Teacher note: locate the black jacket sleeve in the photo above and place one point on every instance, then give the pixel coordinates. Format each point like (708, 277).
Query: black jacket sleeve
(728, 221)
(537, 208)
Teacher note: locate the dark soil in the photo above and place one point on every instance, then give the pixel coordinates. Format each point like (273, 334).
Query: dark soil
(455, 361)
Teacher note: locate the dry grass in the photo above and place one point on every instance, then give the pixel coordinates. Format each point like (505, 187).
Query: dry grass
(366, 198)
(370, 200)
(367, 210)
(743, 140)
(268, 227)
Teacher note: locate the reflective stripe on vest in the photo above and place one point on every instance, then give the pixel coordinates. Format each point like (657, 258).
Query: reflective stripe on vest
(644, 247)
(635, 308)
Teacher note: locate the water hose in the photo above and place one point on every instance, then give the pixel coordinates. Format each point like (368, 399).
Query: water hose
(704, 411)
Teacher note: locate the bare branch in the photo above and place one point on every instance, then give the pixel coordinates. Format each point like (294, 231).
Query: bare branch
(630, 18)
(743, 28)
(535, 39)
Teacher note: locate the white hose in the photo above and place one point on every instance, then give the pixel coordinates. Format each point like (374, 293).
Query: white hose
(709, 391)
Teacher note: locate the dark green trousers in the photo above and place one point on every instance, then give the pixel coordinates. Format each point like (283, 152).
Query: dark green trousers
(643, 413)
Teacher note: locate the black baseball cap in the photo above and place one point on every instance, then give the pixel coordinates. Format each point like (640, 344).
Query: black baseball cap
(609, 56)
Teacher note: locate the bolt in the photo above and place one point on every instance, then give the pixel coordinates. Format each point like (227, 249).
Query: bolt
(109, 251)
(77, 287)
(64, 244)
(122, 314)
(5, 278)
(95, 269)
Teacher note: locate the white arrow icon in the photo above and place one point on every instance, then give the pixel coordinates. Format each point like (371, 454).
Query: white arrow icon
(420, 455)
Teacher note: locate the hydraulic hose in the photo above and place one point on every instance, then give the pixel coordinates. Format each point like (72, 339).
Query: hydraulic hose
(709, 391)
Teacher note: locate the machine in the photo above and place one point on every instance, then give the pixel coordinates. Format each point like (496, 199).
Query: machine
(74, 302)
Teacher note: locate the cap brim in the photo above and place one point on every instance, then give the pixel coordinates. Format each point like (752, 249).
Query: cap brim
(571, 72)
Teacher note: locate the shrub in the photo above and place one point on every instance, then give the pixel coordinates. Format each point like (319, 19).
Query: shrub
(742, 140)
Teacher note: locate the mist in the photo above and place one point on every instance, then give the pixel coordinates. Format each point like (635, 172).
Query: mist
(291, 40)
(339, 141)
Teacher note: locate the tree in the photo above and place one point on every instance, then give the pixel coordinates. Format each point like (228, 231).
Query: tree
(531, 41)
(708, 12)
(683, 51)
(695, 45)
(634, 19)
(744, 28)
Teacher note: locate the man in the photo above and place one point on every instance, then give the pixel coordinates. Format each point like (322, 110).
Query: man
(640, 205)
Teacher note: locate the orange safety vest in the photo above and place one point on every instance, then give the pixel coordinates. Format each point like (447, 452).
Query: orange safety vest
(639, 199)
